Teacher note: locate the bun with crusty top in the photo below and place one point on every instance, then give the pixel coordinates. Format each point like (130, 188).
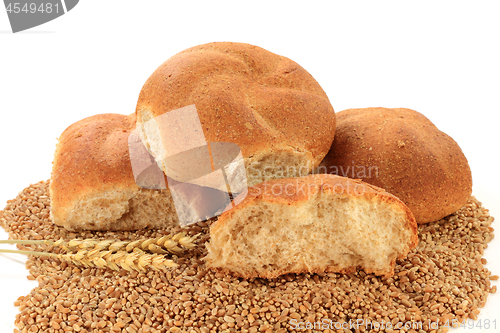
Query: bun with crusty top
(267, 104)
(403, 152)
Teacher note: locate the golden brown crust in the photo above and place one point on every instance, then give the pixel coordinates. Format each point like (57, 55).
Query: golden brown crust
(303, 189)
(416, 162)
(245, 95)
(91, 154)
(245, 274)
(274, 274)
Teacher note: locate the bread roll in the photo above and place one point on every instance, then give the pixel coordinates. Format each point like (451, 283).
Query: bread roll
(312, 224)
(93, 187)
(403, 152)
(267, 104)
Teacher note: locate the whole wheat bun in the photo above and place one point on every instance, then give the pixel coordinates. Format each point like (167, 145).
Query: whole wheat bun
(311, 224)
(93, 187)
(267, 104)
(403, 152)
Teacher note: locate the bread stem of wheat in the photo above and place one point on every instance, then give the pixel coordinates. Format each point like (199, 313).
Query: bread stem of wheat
(135, 261)
(138, 255)
(29, 253)
(17, 241)
(162, 245)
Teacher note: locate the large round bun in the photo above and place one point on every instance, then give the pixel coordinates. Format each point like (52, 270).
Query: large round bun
(403, 152)
(267, 104)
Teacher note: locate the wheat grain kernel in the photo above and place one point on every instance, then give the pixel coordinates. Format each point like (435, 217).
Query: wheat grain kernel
(443, 278)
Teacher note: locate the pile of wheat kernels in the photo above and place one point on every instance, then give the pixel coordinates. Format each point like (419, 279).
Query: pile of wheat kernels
(443, 278)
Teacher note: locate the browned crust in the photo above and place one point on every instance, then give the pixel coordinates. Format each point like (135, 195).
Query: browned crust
(295, 191)
(245, 95)
(247, 274)
(328, 184)
(416, 162)
(91, 155)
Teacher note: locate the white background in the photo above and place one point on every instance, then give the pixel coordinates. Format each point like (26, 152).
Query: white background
(439, 58)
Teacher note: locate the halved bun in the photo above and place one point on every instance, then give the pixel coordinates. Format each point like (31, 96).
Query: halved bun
(93, 187)
(312, 224)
